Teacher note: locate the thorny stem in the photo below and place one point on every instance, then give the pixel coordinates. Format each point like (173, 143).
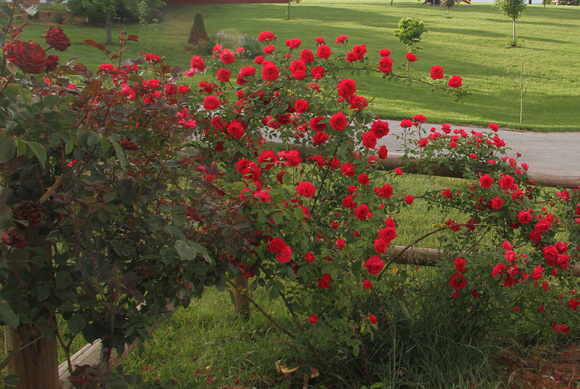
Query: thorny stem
(384, 311)
(66, 349)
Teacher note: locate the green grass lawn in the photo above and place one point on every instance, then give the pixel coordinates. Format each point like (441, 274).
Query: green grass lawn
(472, 43)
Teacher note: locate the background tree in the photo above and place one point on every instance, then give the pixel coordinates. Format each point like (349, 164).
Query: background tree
(103, 11)
(150, 11)
(512, 9)
(409, 32)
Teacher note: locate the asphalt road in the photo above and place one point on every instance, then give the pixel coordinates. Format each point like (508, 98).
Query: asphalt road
(552, 155)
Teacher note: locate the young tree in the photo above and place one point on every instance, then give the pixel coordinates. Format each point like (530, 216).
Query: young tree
(512, 9)
(409, 32)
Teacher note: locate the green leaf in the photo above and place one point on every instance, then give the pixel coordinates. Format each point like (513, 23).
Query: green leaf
(175, 232)
(43, 293)
(69, 147)
(201, 268)
(51, 100)
(20, 146)
(76, 324)
(12, 379)
(279, 218)
(185, 251)
(93, 139)
(68, 115)
(39, 151)
(7, 149)
(8, 316)
(45, 331)
(120, 155)
(105, 144)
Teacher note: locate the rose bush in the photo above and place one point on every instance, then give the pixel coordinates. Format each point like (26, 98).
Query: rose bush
(133, 186)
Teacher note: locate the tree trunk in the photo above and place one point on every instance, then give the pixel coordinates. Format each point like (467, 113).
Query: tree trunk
(37, 363)
(108, 27)
(288, 9)
(241, 302)
(514, 33)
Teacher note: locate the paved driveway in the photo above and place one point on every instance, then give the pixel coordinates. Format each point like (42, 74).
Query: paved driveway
(554, 156)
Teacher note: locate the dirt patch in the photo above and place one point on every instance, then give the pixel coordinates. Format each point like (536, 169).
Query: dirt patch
(550, 367)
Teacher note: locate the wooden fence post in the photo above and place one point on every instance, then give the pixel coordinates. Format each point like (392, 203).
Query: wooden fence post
(37, 362)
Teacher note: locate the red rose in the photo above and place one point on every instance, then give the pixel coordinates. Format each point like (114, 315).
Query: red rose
(436, 72)
(486, 181)
(270, 73)
(224, 75)
(127, 144)
(338, 121)
(293, 43)
(362, 212)
(386, 65)
(301, 106)
(573, 303)
(359, 51)
(409, 199)
(496, 203)
(318, 123)
(380, 128)
(312, 319)
(227, 57)
(367, 284)
(51, 62)
(380, 246)
(320, 138)
(324, 282)
(319, 40)
(211, 103)
(386, 191)
(411, 57)
(236, 129)
(306, 56)
(28, 56)
(373, 319)
(388, 234)
(384, 52)
(383, 152)
(266, 36)
(455, 81)
(269, 49)
(309, 257)
(56, 38)
(14, 239)
(363, 179)
(369, 140)
(306, 189)
(285, 255)
(198, 63)
(276, 245)
(29, 211)
(317, 72)
(323, 52)
(460, 264)
(346, 88)
(342, 39)
(347, 169)
(374, 265)
(458, 281)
